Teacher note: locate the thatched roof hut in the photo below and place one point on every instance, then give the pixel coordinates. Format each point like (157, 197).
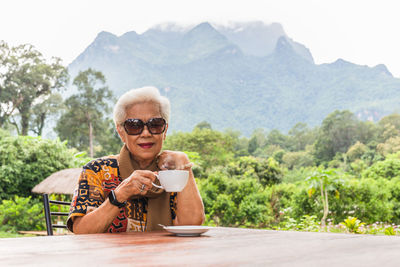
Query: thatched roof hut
(61, 182)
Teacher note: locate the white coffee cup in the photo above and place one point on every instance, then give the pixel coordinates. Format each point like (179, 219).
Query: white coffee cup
(172, 180)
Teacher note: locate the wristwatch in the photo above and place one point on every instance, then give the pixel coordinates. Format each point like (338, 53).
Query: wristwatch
(114, 201)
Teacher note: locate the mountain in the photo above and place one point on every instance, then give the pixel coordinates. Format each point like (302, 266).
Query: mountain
(259, 39)
(242, 76)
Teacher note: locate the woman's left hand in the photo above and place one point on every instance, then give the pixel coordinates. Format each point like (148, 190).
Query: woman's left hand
(189, 206)
(174, 160)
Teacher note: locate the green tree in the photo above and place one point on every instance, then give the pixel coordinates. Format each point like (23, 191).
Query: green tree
(298, 159)
(387, 169)
(257, 140)
(356, 151)
(26, 78)
(324, 181)
(19, 213)
(216, 148)
(234, 201)
(388, 127)
(393, 119)
(203, 125)
(338, 132)
(84, 121)
(25, 161)
(241, 143)
(368, 133)
(389, 131)
(301, 136)
(390, 146)
(267, 171)
(275, 137)
(108, 140)
(41, 111)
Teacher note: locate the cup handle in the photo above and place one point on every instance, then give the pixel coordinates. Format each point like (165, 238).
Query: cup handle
(158, 186)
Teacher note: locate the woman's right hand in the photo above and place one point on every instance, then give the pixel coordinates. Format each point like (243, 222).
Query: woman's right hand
(138, 183)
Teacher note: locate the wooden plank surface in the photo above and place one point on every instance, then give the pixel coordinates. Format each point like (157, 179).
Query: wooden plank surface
(219, 246)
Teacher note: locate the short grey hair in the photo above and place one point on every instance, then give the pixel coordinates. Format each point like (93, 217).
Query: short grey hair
(140, 95)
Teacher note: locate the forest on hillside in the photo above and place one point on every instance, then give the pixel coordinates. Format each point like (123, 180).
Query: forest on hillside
(339, 176)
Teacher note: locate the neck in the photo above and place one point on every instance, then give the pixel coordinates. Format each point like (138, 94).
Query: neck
(143, 164)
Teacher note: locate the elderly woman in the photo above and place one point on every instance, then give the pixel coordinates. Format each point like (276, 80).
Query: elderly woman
(115, 193)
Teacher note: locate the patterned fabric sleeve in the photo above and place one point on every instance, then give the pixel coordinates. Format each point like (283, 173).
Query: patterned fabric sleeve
(89, 193)
(172, 205)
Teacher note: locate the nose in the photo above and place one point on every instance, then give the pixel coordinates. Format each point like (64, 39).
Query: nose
(146, 131)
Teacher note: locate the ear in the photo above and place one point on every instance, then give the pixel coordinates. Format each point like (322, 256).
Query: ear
(165, 132)
(121, 133)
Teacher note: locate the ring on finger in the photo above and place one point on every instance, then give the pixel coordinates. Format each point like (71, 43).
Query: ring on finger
(142, 188)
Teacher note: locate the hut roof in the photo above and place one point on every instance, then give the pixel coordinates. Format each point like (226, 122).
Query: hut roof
(61, 182)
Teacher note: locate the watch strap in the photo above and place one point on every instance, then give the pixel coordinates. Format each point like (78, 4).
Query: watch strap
(114, 201)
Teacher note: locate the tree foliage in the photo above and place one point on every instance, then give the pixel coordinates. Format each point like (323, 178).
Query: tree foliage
(25, 161)
(44, 110)
(267, 180)
(338, 132)
(356, 151)
(323, 181)
(230, 201)
(20, 213)
(26, 79)
(215, 147)
(84, 123)
(387, 169)
(267, 171)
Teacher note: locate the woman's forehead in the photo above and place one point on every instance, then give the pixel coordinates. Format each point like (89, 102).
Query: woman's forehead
(143, 110)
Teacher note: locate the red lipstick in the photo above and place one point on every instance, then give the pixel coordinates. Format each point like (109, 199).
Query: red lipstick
(146, 145)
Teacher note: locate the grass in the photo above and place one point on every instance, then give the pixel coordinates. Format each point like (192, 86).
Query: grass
(11, 235)
(8, 235)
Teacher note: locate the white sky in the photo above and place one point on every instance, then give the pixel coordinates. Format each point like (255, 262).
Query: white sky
(365, 32)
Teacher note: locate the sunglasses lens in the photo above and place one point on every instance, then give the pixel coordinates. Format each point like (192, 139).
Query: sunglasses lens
(134, 126)
(156, 125)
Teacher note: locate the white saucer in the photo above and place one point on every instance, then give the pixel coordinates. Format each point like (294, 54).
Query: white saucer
(187, 230)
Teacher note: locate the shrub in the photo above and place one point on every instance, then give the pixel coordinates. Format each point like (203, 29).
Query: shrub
(307, 223)
(356, 151)
(229, 201)
(367, 199)
(267, 171)
(20, 214)
(388, 168)
(297, 174)
(391, 145)
(353, 225)
(25, 161)
(298, 159)
(214, 147)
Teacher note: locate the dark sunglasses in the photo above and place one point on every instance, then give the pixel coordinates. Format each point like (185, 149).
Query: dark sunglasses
(136, 126)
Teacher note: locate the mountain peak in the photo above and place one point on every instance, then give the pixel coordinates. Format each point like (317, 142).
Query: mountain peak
(283, 46)
(254, 38)
(382, 68)
(130, 35)
(204, 32)
(283, 43)
(204, 26)
(208, 75)
(104, 36)
(341, 63)
(202, 29)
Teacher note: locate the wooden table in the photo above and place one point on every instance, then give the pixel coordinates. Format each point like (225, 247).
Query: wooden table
(219, 246)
